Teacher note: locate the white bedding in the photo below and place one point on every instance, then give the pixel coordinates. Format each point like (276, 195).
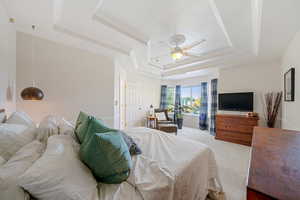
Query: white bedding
(170, 168)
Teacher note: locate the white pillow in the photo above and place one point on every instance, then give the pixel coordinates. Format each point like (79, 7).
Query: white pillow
(20, 118)
(15, 167)
(2, 117)
(48, 126)
(2, 161)
(59, 174)
(13, 137)
(161, 116)
(54, 125)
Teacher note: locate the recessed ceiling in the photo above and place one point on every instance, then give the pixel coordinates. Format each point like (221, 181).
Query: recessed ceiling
(236, 31)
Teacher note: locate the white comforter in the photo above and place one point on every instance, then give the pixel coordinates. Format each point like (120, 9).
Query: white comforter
(170, 168)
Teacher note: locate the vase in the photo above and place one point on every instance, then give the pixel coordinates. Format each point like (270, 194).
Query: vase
(179, 123)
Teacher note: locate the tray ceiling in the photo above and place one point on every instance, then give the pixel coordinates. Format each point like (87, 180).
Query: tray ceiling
(236, 31)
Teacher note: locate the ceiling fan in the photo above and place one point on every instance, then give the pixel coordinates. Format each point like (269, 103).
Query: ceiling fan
(178, 51)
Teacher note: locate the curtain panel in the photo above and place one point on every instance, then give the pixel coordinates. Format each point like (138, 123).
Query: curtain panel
(177, 107)
(214, 105)
(203, 108)
(163, 97)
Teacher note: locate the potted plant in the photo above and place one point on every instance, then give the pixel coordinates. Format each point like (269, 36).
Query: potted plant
(179, 119)
(272, 104)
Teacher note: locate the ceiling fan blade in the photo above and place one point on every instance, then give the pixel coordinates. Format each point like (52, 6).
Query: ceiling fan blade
(157, 58)
(192, 54)
(194, 44)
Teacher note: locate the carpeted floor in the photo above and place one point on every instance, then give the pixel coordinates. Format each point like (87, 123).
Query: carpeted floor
(232, 160)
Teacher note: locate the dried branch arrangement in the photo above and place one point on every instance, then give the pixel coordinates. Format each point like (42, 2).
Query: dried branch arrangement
(273, 102)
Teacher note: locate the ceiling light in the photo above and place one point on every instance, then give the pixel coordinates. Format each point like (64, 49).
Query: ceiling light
(32, 93)
(177, 53)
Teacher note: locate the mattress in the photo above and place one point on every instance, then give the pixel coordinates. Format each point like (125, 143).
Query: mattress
(170, 168)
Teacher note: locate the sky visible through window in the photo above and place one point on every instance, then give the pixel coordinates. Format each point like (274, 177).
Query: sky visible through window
(190, 99)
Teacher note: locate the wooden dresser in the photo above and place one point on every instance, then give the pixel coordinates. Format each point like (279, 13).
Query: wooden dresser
(235, 128)
(274, 172)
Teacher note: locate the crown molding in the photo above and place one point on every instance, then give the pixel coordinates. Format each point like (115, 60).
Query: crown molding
(61, 29)
(218, 62)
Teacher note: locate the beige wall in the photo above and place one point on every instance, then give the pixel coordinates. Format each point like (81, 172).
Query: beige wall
(7, 63)
(290, 111)
(71, 79)
(257, 78)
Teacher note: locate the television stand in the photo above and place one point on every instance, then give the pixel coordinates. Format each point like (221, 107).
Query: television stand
(235, 128)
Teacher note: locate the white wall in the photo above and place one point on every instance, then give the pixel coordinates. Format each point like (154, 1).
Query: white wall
(257, 78)
(71, 79)
(290, 111)
(7, 63)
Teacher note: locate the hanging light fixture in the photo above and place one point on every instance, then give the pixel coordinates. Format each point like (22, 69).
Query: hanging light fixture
(32, 93)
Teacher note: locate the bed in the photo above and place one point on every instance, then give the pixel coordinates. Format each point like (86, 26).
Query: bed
(170, 168)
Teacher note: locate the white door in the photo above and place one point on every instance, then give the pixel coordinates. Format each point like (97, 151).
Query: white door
(122, 103)
(133, 106)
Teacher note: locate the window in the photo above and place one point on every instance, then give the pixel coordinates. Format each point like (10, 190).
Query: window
(191, 99)
(170, 99)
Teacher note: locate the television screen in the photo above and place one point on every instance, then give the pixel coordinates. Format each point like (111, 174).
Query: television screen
(236, 101)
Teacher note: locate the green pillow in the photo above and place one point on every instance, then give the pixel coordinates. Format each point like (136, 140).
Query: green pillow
(95, 126)
(107, 156)
(82, 125)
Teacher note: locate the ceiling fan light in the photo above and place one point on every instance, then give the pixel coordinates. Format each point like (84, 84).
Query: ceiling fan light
(177, 55)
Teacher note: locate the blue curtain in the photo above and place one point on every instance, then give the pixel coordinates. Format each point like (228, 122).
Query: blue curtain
(163, 97)
(214, 105)
(177, 108)
(203, 108)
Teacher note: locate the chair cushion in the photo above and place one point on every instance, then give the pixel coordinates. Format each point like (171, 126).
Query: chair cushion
(59, 173)
(161, 116)
(107, 155)
(20, 118)
(15, 167)
(13, 137)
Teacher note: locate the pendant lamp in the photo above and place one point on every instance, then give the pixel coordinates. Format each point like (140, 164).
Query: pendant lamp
(32, 93)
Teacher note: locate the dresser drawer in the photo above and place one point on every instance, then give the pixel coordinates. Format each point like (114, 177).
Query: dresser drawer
(245, 138)
(235, 127)
(237, 121)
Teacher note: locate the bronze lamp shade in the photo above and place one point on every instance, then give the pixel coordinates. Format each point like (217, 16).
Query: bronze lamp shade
(32, 93)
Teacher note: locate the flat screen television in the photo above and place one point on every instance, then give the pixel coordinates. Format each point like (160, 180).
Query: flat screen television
(236, 101)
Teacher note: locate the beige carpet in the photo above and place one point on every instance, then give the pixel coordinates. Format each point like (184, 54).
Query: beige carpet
(232, 160)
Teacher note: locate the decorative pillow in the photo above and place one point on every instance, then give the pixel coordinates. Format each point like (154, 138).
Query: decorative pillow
(20, 118)
(16, 166)
(161, 116)
(59, 174)
(54, 125)
(82, 124)
(107, 155)
(134, 149)
(67, 128)
(2, 161)
(48, 126)
(2, 117)
(13, 137)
